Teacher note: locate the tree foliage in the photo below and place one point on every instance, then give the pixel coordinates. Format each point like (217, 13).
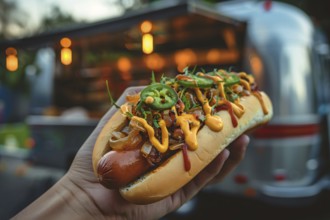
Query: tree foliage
(11, 19)
(56, 19)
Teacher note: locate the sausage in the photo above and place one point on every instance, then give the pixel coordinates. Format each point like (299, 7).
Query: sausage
(118, 168)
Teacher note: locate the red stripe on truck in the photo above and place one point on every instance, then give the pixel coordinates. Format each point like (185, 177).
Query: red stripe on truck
(282, 131)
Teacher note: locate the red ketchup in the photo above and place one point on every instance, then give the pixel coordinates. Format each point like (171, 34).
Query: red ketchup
(227, 106)
(187, 164)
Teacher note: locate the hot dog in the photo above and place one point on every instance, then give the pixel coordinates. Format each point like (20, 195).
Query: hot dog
(118, 168)
(163, 136)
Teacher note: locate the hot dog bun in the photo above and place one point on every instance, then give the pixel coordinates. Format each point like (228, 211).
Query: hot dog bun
(171, 175)
(101, 144)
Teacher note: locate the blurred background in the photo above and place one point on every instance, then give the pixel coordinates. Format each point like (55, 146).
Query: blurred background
(56, 57)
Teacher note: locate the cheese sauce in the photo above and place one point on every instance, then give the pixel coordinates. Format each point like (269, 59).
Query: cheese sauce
(161, 147)
(259, 97)
(214, 122)
(190, 124)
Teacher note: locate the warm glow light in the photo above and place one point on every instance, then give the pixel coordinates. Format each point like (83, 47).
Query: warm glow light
(124, 64)
(147, 43)
(66, 52)
(155, 62)
(229, 37)
(12, 63)
(66, 56)
(65, 42)
(11, 59)
(146, 27)
(213, 56)
(11, 51)
(184, 58)
(256, 65)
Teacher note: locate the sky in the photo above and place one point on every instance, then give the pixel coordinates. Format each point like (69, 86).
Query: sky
(87, 10)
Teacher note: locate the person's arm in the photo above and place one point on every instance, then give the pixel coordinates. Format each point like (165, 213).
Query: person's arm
(64, 200)
(79, 195)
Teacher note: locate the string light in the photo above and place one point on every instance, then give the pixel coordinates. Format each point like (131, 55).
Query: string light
(66, 52)
(11, 59)
(147, 37)
(147, 43)
(146, 27)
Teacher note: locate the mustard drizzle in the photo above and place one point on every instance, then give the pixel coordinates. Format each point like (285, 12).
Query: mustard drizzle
(189, 124)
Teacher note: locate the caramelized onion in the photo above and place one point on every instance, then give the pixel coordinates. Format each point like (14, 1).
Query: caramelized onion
(168, 118)
(120, 141)
(178, 134)
(176, 146)
(146, 148)
(133, 98)
(237, 89)
(136, 126)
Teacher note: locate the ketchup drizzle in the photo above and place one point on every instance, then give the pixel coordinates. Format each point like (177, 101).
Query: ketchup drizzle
(227, 106)
(187, 164)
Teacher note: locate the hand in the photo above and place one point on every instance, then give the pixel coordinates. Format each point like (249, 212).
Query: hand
(84, 197)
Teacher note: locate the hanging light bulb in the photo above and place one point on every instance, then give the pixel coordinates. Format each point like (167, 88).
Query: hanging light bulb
(147, 43)
(147, 38)
(66, 52)
(11, 59)
(146, 27)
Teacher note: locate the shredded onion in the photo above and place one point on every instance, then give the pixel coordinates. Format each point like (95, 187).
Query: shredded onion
(137, 126)
(117, 135)
(146, 148)
(120, 141)
(176, 146)
(134, 98)
(237, 88)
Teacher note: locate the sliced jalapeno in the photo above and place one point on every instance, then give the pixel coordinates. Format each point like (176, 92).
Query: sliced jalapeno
(167, 80)
(229, 78)
(159, 96)
(232, 79)
(194, 81)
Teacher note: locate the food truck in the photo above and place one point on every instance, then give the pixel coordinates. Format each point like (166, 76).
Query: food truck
(66, 70)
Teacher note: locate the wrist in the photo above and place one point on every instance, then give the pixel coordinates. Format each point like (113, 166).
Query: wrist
(65, 200)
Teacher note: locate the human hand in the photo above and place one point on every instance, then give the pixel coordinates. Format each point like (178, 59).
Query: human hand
(110, 203)
(78, 194)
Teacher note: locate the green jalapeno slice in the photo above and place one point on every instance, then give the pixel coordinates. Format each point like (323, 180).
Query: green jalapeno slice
(229, 78)
(159, 96)
(194, 81)
(232, 79)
